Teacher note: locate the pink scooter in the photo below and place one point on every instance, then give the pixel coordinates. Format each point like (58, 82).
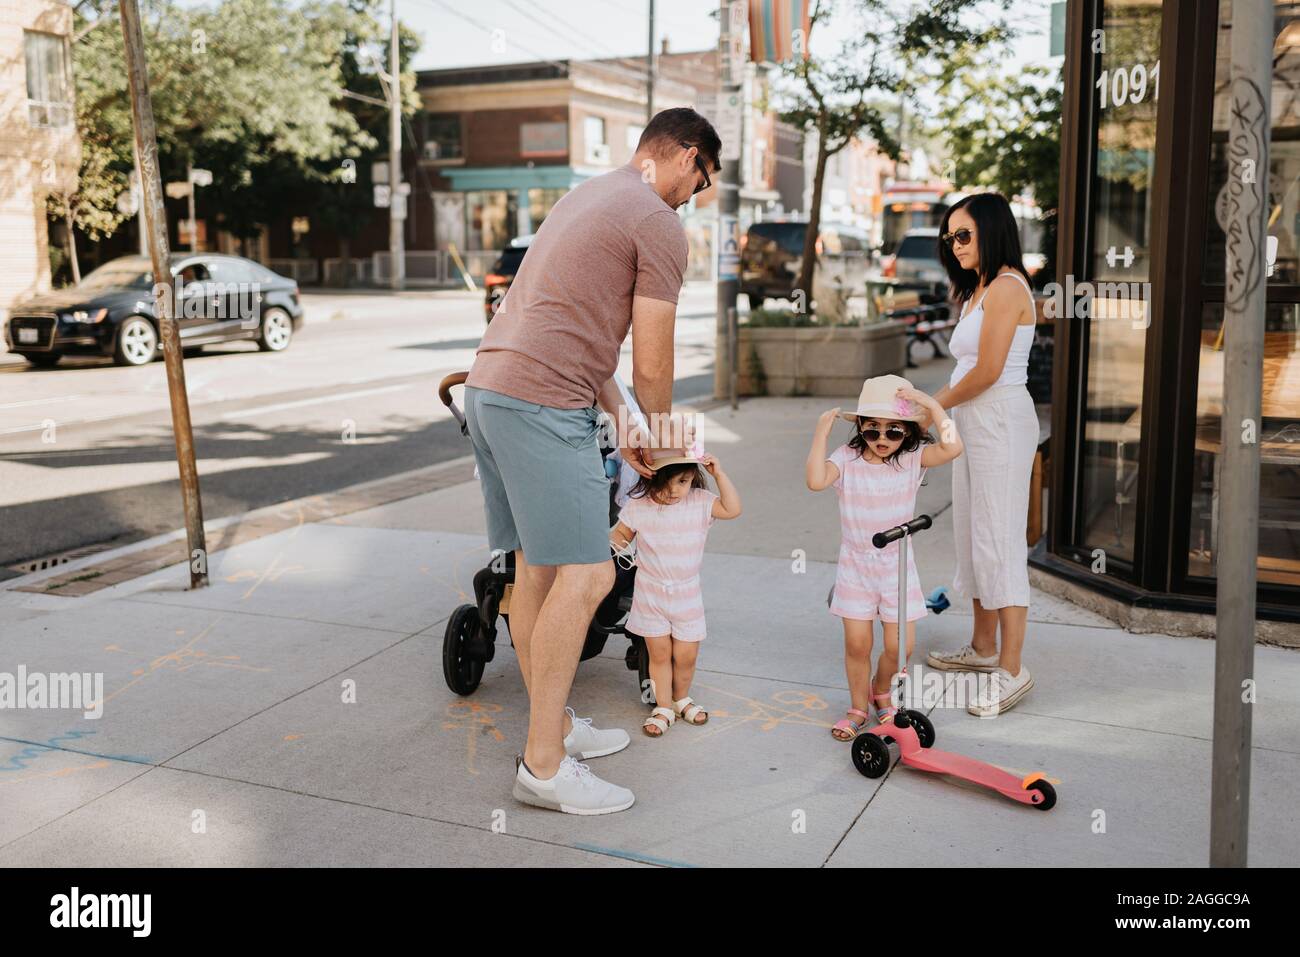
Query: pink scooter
(913, 731)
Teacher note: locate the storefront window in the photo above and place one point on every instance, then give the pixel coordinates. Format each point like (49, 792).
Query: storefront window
(490, 217)
(540, 202)
(1124, 91)
(1279, 438)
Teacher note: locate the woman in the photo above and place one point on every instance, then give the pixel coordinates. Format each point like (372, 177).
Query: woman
(995, 416)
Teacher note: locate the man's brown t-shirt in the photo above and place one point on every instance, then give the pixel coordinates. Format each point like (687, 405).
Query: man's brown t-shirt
(556, 337)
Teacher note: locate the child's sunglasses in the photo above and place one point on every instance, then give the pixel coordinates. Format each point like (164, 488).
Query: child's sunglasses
(894, 435)
(962, 237)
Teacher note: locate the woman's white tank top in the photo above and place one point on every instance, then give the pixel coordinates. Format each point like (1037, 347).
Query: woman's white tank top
(965, 342)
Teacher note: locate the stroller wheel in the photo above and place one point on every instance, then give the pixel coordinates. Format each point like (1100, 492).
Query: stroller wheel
(461, 672)
(924, 728)
(870, 755)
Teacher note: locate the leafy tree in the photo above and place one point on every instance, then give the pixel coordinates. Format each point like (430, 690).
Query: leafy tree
(843, 96)
(1004, 132)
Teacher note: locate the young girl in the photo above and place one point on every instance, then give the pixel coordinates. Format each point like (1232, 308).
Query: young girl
(877, 474)
(669, 515)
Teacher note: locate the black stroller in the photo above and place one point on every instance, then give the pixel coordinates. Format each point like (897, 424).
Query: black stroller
(470, 641)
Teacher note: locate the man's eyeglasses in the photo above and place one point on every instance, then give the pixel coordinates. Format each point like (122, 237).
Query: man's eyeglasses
(894, 435)
(962, 237)
(702, 167)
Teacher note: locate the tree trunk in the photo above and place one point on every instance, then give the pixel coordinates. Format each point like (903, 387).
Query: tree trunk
(809, 262)
(72, 246)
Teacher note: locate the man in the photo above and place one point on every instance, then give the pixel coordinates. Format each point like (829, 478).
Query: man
(611, 254)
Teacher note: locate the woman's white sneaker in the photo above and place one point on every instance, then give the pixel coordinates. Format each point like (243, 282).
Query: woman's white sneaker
(573, 790)
(585, 742)
(964, 658)
(1001, 692)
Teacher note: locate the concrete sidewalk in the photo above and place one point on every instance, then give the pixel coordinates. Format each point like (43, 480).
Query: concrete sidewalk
(294, 713)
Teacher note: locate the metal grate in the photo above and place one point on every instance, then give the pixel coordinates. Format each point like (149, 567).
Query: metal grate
(29, 565)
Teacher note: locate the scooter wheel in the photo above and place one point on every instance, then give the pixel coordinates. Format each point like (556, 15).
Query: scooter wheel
(1049, 794)
(870, 755)
(924, 728)
(461, 672)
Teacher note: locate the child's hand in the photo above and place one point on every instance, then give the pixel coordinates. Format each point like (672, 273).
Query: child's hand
(827, 420)
(916, 397)
(711, 464)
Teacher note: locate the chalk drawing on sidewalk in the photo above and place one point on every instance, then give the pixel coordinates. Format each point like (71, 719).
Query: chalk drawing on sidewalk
(476, 719)
(18, 762)
(793, 706)
(188, 655)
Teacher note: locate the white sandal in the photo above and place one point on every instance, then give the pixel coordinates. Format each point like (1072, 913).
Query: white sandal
(654, 721)
(688, 709)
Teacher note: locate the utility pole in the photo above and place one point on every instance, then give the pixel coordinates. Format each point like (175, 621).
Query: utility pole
(650, 68)
(730, 127)
(194, 226)
(1237, 549)
(155, 219)
(397, 200)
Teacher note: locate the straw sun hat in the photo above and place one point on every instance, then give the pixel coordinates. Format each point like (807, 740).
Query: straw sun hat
(879, 400)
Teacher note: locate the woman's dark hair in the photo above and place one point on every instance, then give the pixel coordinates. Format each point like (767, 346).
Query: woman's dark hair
(659, 479)
(914, 439)
(997, 237)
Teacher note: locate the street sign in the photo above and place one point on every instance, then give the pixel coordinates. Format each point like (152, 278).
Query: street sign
(382, 195)
(727, 122)
(728, 248)
(201, 177)
(399, 207)
(178, 190)
(379, 172)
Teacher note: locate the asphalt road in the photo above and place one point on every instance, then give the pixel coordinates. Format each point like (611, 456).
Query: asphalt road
(87, 454)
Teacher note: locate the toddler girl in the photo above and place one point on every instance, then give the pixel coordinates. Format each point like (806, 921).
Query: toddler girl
(876, 475)
(669, 515)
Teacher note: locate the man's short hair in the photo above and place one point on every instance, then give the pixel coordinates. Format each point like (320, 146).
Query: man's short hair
(669, 129)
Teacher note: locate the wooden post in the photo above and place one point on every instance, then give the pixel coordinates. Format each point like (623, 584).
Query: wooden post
(155, 220)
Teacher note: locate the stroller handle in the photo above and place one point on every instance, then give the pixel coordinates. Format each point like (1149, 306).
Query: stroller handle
(921, 522)
(444, 393)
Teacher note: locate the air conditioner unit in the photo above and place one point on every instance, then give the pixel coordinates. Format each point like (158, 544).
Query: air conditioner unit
(598, 153)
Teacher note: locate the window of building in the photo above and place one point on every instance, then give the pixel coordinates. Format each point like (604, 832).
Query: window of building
(540, 202)
(1279, 434)
(593, 135)
(490, 218)
(1118, 263)
(444, 139)
(544, 139)
(49, 92)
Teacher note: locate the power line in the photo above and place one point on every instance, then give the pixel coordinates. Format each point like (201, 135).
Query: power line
(441, 4)
(570, 35)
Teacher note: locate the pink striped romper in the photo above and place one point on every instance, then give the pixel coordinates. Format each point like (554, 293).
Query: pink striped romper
(874, 497)
(669, 553)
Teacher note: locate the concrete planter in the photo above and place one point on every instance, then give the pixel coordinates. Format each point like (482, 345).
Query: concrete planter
(818, 361)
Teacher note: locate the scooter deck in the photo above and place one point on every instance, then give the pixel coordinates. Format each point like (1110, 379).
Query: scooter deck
(958, 765)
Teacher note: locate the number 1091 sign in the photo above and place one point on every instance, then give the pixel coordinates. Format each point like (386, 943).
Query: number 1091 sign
(1127, 85)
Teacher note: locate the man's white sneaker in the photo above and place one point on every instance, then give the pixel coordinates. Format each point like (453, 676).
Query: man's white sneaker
(573, 790)
(963, 659)
(585, 742)
(1001, 692)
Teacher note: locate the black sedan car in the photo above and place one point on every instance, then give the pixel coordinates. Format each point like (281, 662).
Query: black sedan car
(111, 311)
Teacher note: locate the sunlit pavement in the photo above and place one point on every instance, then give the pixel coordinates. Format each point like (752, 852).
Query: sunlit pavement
(294, 712)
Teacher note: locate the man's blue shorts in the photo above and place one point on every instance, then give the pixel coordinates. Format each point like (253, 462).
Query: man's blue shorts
(544, 483)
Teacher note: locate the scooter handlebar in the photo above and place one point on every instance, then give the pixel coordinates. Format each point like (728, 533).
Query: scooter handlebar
(921, 522)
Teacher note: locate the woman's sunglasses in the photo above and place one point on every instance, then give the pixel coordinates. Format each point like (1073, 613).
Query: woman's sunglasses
(894, 435)
(960, 236)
